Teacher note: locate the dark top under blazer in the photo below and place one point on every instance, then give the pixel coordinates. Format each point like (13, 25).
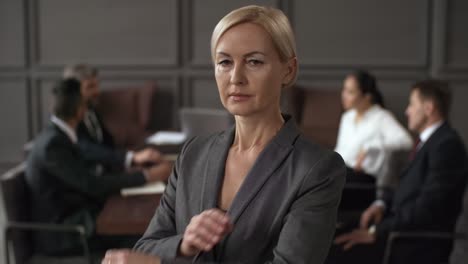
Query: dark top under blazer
(284, 212)
(105, 152)
(63, 190)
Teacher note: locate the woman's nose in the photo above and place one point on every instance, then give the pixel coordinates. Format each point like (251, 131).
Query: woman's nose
(238, 75)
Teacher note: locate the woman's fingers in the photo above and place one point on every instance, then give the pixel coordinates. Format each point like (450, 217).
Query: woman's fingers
(205, 231)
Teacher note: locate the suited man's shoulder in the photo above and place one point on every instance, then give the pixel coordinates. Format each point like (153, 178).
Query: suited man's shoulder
(50, 136)
(447, 138)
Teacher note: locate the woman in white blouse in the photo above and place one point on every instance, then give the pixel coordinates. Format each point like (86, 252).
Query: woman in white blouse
(368, 132)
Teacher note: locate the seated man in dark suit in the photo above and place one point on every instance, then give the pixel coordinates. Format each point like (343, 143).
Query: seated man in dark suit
(429, 195)
(63, 189)
(96, 141)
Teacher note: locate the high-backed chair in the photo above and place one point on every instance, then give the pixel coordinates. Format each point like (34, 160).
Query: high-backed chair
(133, 113)
(396, 240)
(317, 112)
(19, 227)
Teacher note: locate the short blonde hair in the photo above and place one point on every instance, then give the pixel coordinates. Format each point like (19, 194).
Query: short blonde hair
(272, 20)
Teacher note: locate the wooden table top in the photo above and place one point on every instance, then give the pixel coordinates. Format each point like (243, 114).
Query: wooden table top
(127, 215)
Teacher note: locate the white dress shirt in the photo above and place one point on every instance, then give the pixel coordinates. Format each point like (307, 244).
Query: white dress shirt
(427, 133)
(376, 133)
(62, 125)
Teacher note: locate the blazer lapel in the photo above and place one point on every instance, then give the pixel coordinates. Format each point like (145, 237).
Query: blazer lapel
(420, 152)
(267, 162)
(214, 171)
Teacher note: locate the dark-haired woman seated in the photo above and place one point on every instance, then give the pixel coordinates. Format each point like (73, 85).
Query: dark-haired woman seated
(368, 133)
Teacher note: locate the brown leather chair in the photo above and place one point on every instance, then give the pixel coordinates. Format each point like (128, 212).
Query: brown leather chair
(131, 114)
(317, 112)
(19, 228)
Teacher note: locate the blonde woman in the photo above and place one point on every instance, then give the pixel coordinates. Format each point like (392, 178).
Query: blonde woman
(259, 192)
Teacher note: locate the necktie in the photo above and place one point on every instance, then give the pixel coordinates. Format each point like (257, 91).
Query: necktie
(415, 149)
(93, 126)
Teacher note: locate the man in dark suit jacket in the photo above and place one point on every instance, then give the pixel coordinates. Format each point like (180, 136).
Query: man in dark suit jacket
(97, 142)
(430, 192)
(63, 189)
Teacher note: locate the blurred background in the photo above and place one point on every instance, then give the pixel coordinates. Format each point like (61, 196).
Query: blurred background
(166, 42)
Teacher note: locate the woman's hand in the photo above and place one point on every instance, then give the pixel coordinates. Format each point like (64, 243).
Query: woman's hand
(204, 232)
(127, 256)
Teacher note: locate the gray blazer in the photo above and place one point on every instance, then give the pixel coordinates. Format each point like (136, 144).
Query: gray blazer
(284, 212)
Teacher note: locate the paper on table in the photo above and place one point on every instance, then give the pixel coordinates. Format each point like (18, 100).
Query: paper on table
(167, 137)
(150, 188)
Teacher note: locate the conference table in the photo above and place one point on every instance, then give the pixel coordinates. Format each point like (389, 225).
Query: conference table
(128, 215)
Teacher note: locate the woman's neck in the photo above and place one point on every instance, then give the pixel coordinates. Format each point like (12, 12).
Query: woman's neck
(361, 111)
(254, 132)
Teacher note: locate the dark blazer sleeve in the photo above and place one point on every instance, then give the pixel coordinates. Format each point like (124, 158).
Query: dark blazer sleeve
(96, 152)
(161, 238)
(310, 225)
(61, 162)
(445, 175)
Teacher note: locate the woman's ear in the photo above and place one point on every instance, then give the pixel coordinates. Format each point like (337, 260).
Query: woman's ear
(290, 71)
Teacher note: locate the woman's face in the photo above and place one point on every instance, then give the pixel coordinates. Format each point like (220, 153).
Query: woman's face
(351, 96)
(249, 72)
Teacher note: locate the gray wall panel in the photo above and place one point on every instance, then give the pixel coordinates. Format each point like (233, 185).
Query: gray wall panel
(14, 116)
(205, 94)
(12, 34)
(205, 16)
(108, 32)
(457, 34)
(364, 32)
(459, 109)
(164, 110)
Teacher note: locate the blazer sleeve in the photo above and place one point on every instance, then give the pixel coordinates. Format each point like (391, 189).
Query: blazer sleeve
(97, 152)
(61, 162)
(309, 227)
(445, 175)
(161, 238)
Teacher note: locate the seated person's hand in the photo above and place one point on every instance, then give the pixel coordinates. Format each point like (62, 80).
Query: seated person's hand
(372, 215)
(357, 236)
(159, 172)
(127, 256)
(360, 160)
(146, 156)
(204, 232)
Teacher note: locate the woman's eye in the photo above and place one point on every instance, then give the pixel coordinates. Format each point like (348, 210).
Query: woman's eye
(224, 63)
(255, 62)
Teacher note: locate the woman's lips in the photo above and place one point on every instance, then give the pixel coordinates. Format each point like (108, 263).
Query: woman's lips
(237, 97)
